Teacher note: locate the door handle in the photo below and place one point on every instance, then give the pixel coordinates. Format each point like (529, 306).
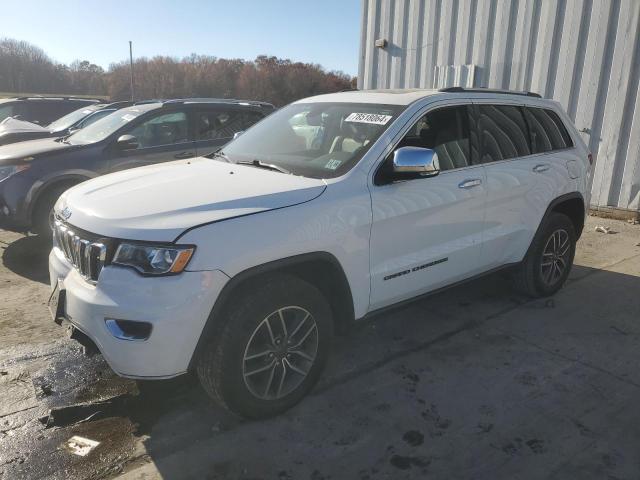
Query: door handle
(182, 155)
(470, 183)
(541, 167)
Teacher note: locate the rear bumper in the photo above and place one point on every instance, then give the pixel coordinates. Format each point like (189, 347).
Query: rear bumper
(177, 307)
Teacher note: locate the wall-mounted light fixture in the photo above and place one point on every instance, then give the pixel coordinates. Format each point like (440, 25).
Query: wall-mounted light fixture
(381, 43)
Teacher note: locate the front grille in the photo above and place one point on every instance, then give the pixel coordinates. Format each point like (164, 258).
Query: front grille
(87, 256)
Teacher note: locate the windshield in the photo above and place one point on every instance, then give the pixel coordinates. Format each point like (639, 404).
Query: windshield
(318, 140)
(70, 119)
(105, 126)
(5, 111)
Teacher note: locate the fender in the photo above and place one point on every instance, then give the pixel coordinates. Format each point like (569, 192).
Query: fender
(41, 185)
(287, 264)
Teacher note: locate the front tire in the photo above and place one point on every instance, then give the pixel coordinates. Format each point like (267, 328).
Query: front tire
(271, 350)
(548, 262)
(43, 212)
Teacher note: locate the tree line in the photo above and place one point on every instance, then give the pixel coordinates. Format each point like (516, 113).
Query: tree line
(27, 68)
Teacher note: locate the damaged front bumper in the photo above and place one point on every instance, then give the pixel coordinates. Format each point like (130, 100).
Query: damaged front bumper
(175, 307)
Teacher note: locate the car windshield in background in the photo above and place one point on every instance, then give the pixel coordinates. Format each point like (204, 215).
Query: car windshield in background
(5, 111)
(106, 126)
(318, 140)
(70, 119)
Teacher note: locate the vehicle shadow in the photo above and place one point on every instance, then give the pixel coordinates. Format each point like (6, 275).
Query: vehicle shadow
(28, 257)
(402, 370)
(372, 391)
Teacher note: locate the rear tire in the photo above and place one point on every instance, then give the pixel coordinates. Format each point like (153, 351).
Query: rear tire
(43, 212)
(548, 262)
(271, 349)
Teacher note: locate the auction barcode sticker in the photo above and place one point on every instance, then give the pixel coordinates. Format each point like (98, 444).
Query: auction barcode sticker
(374, 118)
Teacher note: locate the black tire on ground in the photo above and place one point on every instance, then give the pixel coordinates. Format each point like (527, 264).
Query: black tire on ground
(553, 247)
(267, 316)
(43, 210)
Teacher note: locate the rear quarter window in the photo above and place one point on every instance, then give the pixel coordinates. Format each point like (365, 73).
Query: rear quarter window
(546, 130)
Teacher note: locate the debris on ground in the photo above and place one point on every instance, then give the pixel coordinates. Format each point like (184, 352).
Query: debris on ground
(46, 390)
(603, 229)
(79, 445)
(81, 412)
(633, 221)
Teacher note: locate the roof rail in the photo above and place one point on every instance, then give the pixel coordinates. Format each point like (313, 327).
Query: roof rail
(120, 104)
(489, 90)
(217, 100)
(151, 100)
(59, 97)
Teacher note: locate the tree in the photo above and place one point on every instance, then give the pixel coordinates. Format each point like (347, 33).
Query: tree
(26, 68)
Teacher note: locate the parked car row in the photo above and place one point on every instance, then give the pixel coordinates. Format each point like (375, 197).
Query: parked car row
(103, 138)
(240, 265)
(42, 110)
(13, 130)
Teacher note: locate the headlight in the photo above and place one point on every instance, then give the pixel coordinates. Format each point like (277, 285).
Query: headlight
(153, 259)
(6, 172)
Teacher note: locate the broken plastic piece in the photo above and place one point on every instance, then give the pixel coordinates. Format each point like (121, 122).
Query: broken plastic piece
(79, 445)
(603, 229)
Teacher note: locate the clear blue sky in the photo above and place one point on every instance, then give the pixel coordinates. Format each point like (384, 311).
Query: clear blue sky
(317, 31)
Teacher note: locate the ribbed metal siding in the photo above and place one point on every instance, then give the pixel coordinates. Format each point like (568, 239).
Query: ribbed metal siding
(583, 53)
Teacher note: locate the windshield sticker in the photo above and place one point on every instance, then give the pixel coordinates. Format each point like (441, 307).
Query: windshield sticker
(374, 118)
(128, 117)
(333, 164)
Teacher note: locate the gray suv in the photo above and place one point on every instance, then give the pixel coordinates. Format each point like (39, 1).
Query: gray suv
(33, 174)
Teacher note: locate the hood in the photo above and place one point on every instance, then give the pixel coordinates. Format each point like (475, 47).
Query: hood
(18, 151)
(12, 125)
(159, 202)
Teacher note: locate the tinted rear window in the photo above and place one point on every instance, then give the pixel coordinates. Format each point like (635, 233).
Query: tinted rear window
(547, 131)
(503, 132)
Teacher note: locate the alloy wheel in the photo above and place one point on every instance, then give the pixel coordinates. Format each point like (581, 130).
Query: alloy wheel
(555, 257)
(280, 353)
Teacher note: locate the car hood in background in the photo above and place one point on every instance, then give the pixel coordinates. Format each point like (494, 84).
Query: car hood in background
(12, 125)
(21, 150)
(159, 202)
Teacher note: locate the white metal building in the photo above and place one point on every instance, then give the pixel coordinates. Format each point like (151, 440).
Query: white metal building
(583, 53)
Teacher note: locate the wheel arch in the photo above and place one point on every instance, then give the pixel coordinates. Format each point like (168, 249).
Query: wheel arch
(321, 269)
(40, 190)
(570, 204)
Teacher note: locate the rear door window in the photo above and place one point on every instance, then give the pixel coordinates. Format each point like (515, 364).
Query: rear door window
(46, 111)
(223, 124)
(503, 132)
(547, 131)
(250, 118)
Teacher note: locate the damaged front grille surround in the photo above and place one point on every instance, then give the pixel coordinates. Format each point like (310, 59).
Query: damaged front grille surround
(87, 257)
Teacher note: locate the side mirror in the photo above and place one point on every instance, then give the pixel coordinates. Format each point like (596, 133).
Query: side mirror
(415, 162)
(237, 134)
(127, 142)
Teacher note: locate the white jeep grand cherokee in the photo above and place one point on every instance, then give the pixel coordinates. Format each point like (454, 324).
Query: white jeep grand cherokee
(242, 265)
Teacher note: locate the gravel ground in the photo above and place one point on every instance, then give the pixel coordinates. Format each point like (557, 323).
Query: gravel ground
(476, 382)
